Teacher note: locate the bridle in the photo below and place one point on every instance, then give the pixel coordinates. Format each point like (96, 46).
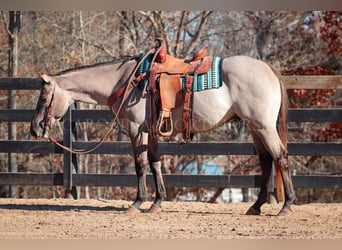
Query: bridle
(48, 112)
(124, 92)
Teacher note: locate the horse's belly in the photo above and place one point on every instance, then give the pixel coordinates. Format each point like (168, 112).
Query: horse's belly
(210, 109)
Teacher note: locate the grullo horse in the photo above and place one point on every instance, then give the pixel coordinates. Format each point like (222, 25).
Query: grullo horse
(251, 90)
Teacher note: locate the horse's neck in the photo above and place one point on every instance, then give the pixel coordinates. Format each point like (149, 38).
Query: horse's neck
(95, 85)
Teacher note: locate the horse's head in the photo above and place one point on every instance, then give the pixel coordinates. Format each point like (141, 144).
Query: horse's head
(51, 107)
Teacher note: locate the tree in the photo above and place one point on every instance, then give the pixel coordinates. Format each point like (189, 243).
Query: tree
(13, 28)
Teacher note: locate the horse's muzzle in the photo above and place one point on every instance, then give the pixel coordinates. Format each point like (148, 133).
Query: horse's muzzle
(33, 133)
(33, 130)
(37, 129)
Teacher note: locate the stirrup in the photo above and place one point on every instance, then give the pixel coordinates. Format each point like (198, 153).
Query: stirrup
(165, 124)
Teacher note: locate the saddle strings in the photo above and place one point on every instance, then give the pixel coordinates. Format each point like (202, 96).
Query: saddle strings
(115, 120)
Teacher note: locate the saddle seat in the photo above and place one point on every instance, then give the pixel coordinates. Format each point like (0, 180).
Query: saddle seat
(169, 70)
(171, 65)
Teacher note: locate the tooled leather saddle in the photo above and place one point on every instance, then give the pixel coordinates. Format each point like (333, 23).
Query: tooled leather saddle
(166, 71)
(165, 79)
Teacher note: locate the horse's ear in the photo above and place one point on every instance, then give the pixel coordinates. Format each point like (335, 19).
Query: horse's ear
(46, 78)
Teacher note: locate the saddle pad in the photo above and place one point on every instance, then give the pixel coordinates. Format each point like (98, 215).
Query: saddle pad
(210, 80)
(144, 67)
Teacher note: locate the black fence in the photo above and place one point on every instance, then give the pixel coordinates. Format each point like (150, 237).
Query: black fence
(70, 178)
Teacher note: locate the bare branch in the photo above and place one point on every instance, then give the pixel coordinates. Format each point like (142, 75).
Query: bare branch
(89, 43)
(196, 39)
(150, 17)
(6, 24)
(194, 18)
(156, 20)
(93, 18)
(163, 32)
(179, 31)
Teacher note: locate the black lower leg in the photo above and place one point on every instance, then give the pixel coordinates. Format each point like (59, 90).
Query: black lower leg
(158, 180)
(266, 166)
(140, 168)
(290, 196)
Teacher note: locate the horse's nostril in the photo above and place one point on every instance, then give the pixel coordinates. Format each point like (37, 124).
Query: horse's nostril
(33, 132)
(42, 124)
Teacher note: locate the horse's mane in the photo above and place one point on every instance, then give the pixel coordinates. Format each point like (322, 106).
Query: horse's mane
(122, 60)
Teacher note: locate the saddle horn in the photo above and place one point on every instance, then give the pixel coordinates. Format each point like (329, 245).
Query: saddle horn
(161, 51)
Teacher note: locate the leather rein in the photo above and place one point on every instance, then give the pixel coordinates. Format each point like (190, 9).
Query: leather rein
(124, 91)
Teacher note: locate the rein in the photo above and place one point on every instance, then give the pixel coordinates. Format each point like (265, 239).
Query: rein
(48, 116)
(113, 98)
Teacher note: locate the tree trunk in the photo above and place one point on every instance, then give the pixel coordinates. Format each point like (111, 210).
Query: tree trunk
(13, 58)
(122, 34)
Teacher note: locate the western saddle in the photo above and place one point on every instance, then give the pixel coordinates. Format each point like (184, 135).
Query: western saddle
(165, 77)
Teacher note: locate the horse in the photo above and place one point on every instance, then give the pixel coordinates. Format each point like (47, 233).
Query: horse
(251, 89)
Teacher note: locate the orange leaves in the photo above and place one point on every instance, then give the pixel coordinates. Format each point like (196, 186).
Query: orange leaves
(331, 31)
(329, 133)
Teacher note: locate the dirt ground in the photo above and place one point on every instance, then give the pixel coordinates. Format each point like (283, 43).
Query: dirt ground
(94, 219)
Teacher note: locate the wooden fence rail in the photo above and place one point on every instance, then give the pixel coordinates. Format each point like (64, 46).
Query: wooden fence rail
(69, 178)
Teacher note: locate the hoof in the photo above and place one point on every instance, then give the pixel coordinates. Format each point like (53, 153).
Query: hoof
(132, 210)
(155, 209)
(253, 211)
(284, 212)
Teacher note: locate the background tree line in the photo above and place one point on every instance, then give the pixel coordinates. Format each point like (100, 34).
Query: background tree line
(297, 42)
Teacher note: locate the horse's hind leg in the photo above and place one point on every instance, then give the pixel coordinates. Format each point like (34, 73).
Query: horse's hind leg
(155, 165)
(271, 141)
(282, 163)
(266, 165)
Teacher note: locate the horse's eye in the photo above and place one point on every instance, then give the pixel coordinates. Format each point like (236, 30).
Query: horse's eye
(45, 83)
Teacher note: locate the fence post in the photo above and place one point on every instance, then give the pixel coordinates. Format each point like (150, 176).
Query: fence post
(69, 159)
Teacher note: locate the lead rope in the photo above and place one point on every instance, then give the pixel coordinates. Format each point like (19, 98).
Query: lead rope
(114, 123)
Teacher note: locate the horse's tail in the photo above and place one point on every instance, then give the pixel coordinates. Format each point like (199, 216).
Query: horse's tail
(283, 112)
(282, 131)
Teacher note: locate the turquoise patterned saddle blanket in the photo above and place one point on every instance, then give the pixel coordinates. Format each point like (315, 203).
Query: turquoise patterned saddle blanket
(210, 80)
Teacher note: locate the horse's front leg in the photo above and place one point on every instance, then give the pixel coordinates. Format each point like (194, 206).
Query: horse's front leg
(155, 165)
(139, 144)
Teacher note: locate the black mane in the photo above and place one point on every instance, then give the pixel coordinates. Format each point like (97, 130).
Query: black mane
(122, 60)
